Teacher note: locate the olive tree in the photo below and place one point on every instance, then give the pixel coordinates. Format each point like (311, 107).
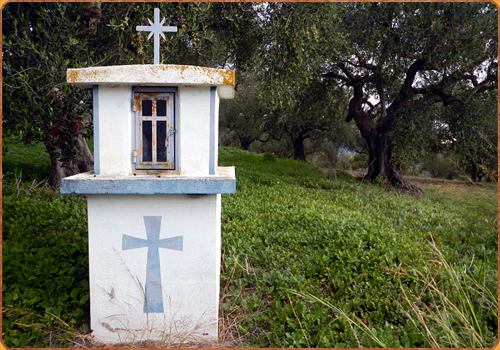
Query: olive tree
(399, 54)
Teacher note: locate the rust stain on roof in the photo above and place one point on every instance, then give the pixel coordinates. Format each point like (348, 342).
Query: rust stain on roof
(85, 75)
(181, 74)
(216, 76)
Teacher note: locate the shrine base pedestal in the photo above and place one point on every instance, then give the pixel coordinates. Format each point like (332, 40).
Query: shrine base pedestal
(154, 267)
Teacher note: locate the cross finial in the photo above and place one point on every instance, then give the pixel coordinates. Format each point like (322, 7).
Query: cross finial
(156, 29)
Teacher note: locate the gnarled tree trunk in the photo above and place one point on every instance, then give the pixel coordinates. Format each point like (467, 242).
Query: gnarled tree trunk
(298, 148)
(81, 162)
(379, 140)
(380, 162)
(245, 142)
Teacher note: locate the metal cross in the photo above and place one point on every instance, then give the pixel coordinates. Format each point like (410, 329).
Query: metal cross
(153, 302)
(156, 29)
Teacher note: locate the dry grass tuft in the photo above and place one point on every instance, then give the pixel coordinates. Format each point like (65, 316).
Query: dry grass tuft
(454, 317)
(88, 341)
(229, 336)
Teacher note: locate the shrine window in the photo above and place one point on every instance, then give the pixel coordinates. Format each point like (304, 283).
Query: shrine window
(154, 130)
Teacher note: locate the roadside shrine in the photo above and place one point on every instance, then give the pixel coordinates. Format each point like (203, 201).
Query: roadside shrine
(154, 198)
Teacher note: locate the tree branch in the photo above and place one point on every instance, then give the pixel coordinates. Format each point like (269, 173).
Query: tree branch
(333, 75)
(406, 88)
(448, 81)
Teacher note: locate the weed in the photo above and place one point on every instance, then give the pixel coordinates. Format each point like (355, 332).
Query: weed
(457, 312)
(45, 264)
(460, 311)
(353, 321)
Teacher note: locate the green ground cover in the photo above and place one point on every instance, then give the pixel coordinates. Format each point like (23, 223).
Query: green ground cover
(289, 230)
(31, 162)
(307, 260)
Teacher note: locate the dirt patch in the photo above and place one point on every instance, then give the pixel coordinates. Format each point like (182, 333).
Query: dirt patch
(416, 179)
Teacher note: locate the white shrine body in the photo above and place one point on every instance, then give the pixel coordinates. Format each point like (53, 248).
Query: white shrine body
(154, 200)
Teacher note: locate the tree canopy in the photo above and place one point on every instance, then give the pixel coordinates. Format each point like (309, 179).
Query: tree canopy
(395, 70)
(42, 40)
(401, 55)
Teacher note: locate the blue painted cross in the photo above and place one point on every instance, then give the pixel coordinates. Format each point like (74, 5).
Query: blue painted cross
(156, 29)
(153, 302)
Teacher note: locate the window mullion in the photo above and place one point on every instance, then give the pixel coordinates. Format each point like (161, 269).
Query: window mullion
(154, 137)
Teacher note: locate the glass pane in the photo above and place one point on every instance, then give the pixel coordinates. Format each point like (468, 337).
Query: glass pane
(161, 149)
(147, 137)
(161, 108)
(147, 108)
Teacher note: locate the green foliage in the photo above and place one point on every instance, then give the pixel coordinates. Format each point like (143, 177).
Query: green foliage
(40, 42)
(472, 135)
(359, 161)
(300, 104)
(451, 140)
(289, 228)
(246, 113)
(462, 298)
(397, 66)
(28, 162)
(409, 57)
(340, 176)
(269, 157)
(440, 167)
(45, 265)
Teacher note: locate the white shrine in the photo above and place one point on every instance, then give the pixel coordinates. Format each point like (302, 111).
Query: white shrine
(154, 198)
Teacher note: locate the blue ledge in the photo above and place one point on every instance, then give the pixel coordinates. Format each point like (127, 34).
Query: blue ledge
(88, 183)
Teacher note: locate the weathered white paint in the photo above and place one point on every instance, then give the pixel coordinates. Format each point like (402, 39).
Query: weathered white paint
(190, 278)
(115, 130)
(194, 130)
(155, 75)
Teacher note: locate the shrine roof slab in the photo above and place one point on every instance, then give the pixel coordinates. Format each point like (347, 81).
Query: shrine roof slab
(89, 183)
(154, 75)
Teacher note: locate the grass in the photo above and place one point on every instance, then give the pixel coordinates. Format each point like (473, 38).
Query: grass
(31, 162)
(288, 228)
(307, 260)
(45, 265)
(456, 317)
(460, 308)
